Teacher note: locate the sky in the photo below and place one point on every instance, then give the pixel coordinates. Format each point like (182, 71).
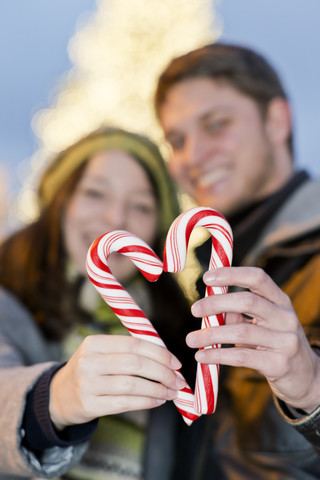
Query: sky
(34, 35)
(287, 32)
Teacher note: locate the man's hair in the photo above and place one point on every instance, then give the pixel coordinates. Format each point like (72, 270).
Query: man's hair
(238, 66)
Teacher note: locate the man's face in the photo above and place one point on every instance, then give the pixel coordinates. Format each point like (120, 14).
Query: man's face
(222, 155)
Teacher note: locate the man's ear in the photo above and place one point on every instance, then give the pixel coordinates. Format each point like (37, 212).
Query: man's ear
(278, 121)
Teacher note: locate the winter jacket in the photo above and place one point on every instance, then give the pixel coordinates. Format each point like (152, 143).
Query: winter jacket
(24, 356)
(252, 435)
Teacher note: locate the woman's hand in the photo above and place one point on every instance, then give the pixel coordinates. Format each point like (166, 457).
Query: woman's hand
(272, 341)
(110, 374)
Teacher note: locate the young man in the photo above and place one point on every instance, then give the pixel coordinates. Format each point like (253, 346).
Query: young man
(227, 118)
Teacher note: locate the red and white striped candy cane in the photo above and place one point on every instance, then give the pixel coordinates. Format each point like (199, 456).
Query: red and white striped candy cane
(206, 389)
(122, 303)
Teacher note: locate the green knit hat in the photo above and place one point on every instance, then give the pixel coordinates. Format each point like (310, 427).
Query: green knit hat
(106, 138)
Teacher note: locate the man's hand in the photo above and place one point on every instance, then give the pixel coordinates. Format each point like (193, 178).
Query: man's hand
(272, 341)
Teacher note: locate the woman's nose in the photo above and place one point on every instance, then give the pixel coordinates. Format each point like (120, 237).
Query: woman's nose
(115, 216)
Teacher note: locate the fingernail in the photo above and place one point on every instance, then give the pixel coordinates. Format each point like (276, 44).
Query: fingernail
(160, 402)
(172, 394)
(200, 356)
(175, 363)
(209, 275)
(191, 339)
(195, 309)
(180, 382)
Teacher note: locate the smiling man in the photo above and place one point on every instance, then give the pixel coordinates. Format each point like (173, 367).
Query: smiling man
(227, 118)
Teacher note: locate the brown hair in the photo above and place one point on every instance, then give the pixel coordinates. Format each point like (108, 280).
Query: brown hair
(33, 266)
(240, 67)
(33, 261)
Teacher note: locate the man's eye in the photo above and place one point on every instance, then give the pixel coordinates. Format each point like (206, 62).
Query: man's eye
(216, 125)
(176, 143)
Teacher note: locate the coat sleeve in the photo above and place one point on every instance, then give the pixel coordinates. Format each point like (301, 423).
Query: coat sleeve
(15, 383)
(20, 346)
(307, 425)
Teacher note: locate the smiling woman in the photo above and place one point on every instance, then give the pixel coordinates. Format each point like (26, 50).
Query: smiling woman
(73, 360)
(118, 203)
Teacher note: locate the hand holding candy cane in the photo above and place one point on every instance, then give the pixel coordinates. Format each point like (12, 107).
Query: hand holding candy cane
(110, 374)
(269, 339)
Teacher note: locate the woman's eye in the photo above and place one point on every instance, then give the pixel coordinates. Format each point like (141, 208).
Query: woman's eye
(92, 193)
(146, 209)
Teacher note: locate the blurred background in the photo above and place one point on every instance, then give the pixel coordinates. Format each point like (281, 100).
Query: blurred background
(68, 66)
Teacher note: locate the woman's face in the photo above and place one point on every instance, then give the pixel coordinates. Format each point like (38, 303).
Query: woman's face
(114, 193)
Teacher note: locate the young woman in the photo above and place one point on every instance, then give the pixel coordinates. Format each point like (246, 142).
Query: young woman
(65, 358)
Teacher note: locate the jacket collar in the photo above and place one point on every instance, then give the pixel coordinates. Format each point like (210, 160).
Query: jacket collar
(298, 216)
(289, 214)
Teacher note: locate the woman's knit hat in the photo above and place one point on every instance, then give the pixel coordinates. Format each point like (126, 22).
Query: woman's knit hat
(106, 138)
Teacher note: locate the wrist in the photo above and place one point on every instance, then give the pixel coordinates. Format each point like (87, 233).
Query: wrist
(311, 400)
(55, 411)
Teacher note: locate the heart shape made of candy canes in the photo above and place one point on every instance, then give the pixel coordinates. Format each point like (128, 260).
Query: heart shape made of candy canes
(203, 401)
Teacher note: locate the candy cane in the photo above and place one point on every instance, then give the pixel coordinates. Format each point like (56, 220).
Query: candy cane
(123, 304)
(206, 388)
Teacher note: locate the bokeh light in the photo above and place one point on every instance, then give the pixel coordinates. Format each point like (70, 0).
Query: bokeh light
(117, 54)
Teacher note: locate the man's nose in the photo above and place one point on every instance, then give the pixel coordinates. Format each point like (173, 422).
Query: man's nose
(194, 150)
